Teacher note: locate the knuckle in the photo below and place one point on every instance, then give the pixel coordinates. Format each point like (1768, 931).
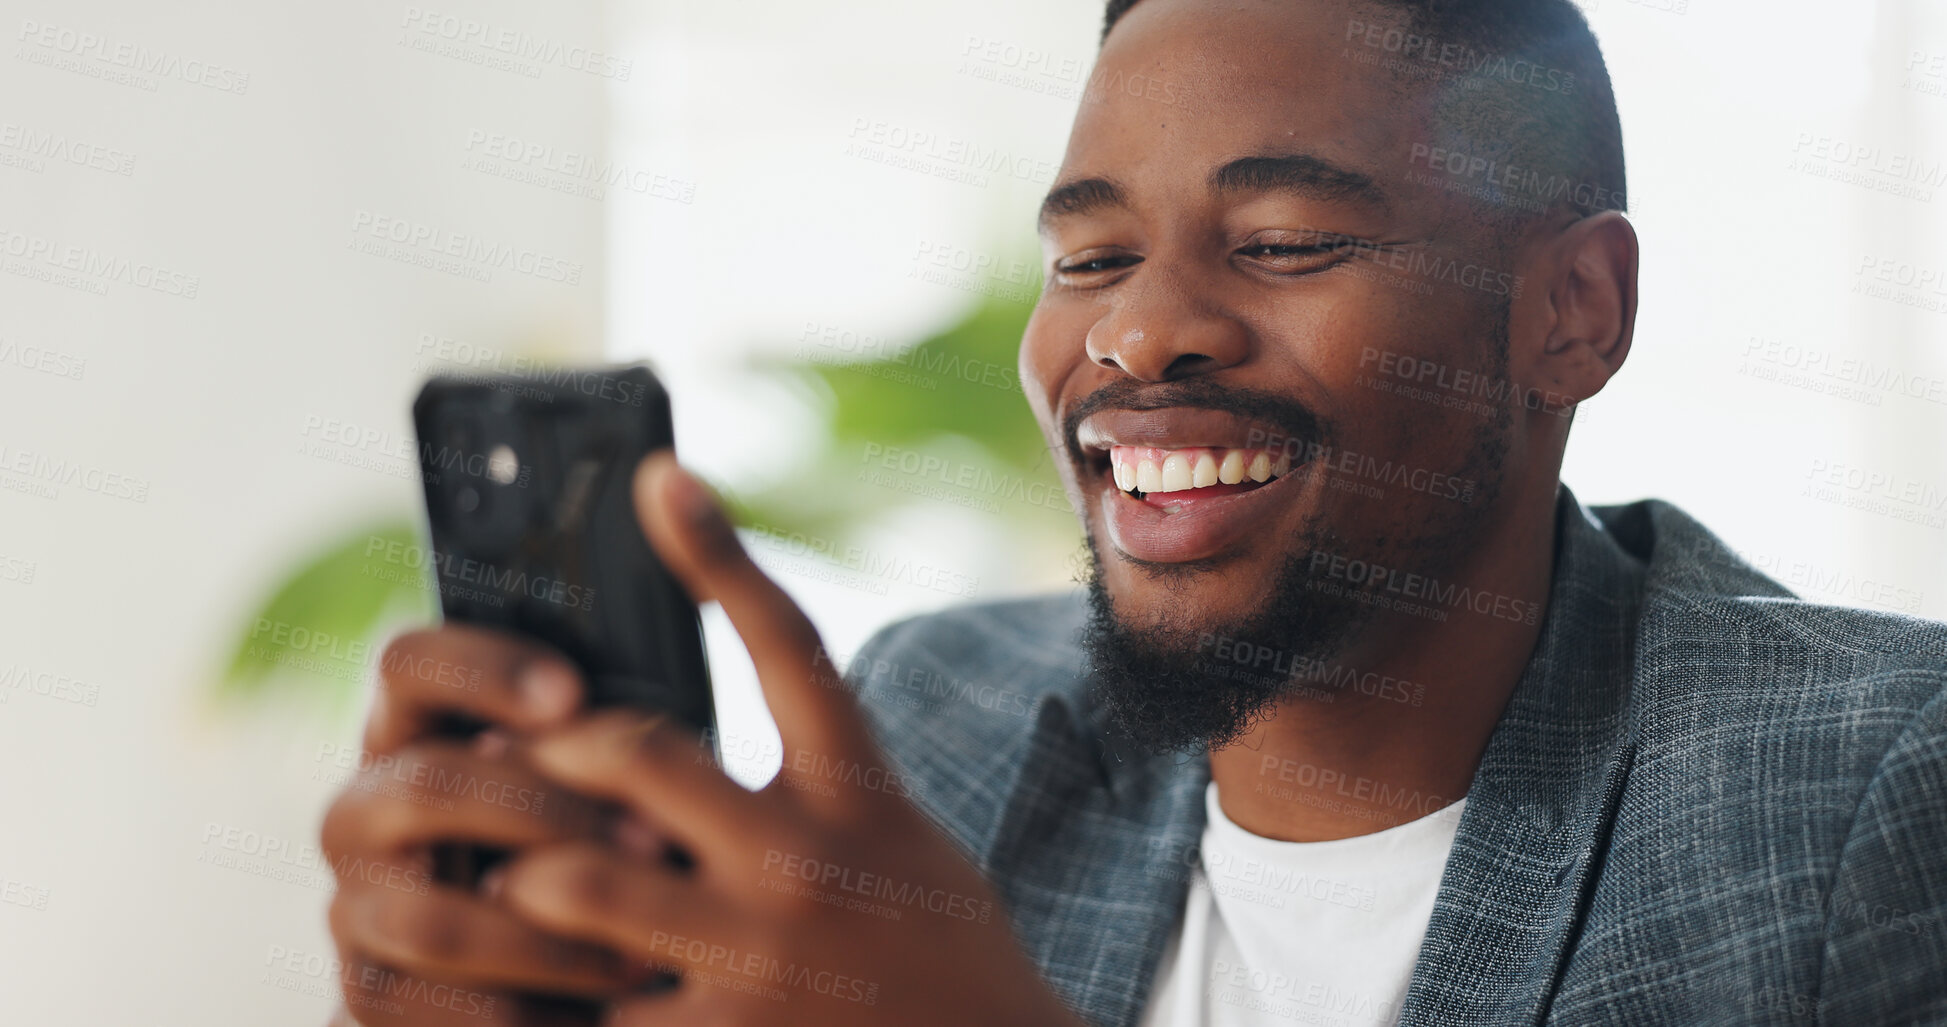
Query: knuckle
(388, 824)
(344, 825)
(409, 782)
(420, 931)
(363, 978)
(574, 880)
(422, 752)
(391, 799)
(339, 915)
(588, 886)
(645, 746)
(447, 662)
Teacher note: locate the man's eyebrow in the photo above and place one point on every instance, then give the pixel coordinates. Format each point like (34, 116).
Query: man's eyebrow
(1300, 173)
(1082, 196)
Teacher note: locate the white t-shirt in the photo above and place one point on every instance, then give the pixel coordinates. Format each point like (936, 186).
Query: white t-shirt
(1282, 933)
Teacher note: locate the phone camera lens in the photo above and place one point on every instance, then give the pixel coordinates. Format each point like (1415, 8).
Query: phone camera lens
(467, 499)
(503, 467)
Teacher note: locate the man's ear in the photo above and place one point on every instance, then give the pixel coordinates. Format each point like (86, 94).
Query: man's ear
(1587, 313)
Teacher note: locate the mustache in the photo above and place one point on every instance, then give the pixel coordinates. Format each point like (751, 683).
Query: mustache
(1279, 412)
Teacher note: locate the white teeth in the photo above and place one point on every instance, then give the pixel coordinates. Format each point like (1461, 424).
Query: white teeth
(1261, 467)
(1205, 473)
(1231, 471)
(1176, 473)
(1180, 471)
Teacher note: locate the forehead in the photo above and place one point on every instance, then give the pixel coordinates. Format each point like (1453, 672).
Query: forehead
(1182, 85)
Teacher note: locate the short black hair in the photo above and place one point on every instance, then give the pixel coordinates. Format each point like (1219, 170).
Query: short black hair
(1552, 129)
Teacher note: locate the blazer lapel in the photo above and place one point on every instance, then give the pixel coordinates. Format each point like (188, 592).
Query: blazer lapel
(1094, 848)
(1094, 858)
(1537, 820)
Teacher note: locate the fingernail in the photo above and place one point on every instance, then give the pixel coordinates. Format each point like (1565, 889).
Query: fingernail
(549, 688)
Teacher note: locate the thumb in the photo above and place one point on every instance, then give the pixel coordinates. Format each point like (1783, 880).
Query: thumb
(687, 528)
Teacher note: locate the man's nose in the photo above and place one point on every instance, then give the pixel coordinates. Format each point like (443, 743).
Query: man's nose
(1160, 331)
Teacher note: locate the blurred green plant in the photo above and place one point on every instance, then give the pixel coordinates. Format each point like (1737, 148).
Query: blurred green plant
(956, 389)
(951, 391)
(319, 621)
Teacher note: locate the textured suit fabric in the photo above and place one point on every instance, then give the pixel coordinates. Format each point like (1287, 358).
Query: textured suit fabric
(1707, 802)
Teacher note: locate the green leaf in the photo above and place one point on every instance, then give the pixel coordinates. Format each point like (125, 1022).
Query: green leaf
(952, 389)
(321, 623)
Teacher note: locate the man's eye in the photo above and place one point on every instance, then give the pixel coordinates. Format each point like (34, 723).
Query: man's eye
(1291, 258)
(1093, 265)
(1274, 250)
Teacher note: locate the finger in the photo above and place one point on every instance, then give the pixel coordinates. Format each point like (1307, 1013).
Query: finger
(418, 1009)
(514, 1010)
(695, 1004)
(442, 791)
(653, 766)
(690, 533)
(430, 675)
(375, 995)
(557, 1011)
(453, 936)
(594, 893)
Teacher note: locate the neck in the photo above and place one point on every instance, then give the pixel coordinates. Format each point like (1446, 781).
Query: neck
(1369, 758)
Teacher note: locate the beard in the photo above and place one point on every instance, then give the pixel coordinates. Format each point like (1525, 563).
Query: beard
(1168, 686)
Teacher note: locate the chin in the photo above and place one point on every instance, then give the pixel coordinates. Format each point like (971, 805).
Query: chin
(1192, 596)
(1162, 642)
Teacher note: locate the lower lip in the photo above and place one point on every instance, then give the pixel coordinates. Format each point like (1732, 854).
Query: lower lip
(1189, 527)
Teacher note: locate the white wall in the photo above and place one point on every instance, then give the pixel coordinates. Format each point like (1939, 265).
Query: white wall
(1768, 146)
(206, 401)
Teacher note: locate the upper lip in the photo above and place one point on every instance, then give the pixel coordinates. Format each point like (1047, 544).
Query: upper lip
(1180, 428)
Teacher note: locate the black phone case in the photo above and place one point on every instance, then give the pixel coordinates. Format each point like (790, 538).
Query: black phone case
(530, 508)
(528, 499)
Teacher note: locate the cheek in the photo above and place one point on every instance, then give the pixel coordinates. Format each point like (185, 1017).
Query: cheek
(1348, 330)
(1052, 354)
(1051, 351)
(1361, 349)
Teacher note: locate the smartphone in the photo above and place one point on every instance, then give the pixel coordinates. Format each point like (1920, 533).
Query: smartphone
(532, 519)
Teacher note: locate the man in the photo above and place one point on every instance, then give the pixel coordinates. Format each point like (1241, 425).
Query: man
(1369, 721)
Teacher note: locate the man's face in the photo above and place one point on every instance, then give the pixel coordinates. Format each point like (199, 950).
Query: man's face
(1246, 277)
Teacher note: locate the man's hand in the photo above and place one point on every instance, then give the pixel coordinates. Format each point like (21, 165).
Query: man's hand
(823, 898)
(419, 951)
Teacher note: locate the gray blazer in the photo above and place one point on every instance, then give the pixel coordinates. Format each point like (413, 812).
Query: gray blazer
(1707, 801)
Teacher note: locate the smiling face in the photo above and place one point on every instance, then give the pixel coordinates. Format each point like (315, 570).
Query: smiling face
(1261, 347)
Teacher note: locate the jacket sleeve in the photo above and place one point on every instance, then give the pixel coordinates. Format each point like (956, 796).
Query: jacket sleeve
(1886, 924)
